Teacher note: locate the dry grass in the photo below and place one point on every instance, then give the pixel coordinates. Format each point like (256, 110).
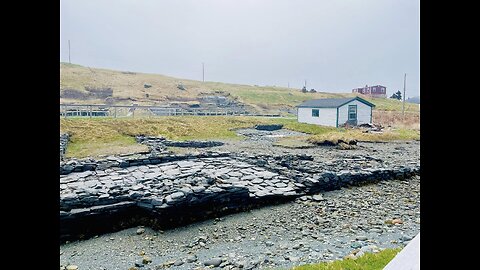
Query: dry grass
(105, 136)
(396, 119)
(359, 135)
(293, 142)
(121, 145)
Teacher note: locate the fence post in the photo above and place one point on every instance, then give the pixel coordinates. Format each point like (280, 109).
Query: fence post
(90, 112)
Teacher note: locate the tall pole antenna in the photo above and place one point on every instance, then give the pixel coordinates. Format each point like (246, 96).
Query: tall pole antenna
(305, 83)
(203, 72)
(69, 52)
(404, 83)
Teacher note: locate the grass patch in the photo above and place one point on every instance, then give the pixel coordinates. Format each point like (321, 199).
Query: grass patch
(83, 147)
(100, 136)
(358, 135)
(369, 261)
(106, 136)
(293, 142)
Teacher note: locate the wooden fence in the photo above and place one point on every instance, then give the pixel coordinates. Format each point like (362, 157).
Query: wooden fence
(116, 111)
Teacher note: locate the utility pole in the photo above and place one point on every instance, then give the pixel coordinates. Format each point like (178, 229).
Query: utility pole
(404, 83)
(203, 72)
(69, 52)
(305, 84)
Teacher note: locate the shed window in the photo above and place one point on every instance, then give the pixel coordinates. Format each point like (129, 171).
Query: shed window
(352, 112)
(315, 113)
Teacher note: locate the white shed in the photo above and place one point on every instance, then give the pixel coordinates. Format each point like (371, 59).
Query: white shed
(335, 111)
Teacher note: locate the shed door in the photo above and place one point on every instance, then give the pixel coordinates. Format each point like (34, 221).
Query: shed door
(352, 114)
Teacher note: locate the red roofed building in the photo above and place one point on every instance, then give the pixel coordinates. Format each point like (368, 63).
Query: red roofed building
(373, 91)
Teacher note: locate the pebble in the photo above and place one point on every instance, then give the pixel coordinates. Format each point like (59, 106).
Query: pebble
(72, 267)
(191, 258)
(361, 238)
(293, 258)
(356, 245)
(178, 262)
(405, 238)
(140, 231)
(213, 262)
(146, 260)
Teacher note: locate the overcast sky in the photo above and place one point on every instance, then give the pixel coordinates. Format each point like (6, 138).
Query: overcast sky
(336, 45)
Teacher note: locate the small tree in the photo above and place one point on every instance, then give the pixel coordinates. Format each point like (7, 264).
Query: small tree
(397, 95)
(313, 90)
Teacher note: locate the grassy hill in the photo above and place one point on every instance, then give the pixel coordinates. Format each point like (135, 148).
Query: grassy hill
(79, 84)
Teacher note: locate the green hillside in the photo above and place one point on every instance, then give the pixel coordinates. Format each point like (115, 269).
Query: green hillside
(79, 84)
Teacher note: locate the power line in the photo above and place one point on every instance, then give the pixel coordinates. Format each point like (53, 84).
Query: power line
(404, 83)
(69, 52)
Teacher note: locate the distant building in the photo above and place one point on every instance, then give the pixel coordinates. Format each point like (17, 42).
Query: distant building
(373, 91)
(335, 112)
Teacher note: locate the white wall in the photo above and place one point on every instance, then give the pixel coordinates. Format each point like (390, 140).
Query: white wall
(363, 113)
(326, 117)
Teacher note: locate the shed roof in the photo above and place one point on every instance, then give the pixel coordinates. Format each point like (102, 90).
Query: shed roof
(332, 102)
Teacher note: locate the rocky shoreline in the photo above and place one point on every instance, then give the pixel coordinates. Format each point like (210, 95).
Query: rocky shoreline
(310, 229)
(372, 203)
(179, 192)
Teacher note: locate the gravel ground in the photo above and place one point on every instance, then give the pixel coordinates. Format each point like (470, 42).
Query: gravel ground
(304, 231)
(259, 141)
(309, 230)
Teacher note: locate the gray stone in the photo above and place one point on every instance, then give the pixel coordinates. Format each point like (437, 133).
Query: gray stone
(213, 262)
(405, 238)
(198, 189)
(140, 230)
(376, 230)
(281, 185)
(235, 174)
(177, 195)
(356, 245)
(185, 164)
(178, 262)
(146, 260)
(191, 258)
(293, 258)
(318, 197)
(361, 238)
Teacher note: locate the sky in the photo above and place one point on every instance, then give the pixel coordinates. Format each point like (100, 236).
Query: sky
(335, 45)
